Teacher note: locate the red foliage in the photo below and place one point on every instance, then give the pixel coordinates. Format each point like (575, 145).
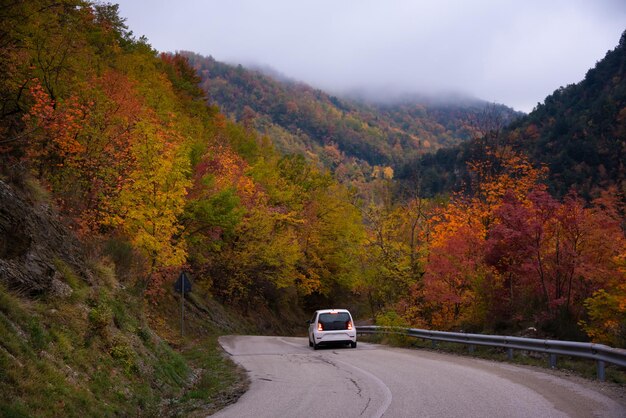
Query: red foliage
(553, 255)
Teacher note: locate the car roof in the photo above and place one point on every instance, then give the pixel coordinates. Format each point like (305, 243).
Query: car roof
(332, 310)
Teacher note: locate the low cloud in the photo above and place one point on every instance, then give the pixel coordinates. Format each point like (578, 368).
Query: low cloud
(508, 51)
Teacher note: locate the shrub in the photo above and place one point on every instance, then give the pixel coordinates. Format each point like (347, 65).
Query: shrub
(124, 354)
(99, 319)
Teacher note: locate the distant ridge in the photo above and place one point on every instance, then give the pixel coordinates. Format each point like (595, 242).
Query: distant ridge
(336, 130)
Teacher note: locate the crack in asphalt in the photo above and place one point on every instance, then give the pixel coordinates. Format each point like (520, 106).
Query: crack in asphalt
(366, 406)
(341, 366)
(325, 360)
(387, 396)
(385, 390)
(358, 388)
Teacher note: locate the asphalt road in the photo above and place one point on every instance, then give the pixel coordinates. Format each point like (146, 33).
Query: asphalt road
(289, 379)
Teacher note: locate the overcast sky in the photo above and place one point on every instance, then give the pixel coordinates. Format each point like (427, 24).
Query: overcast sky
(514, 52)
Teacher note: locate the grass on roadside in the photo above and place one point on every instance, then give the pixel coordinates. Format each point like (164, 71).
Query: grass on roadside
(95, 356)
(217, 381)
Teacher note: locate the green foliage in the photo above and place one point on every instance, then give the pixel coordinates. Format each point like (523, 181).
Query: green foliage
(145, 336)
(154, 198)
(64, 341)
(125, 355)
(39, 337)
(9, 304)
(579, 130)
(183, 77)
(387, 273)
(607, 316)
(121, 317)
(110, 131)
(217, 372)
(70, 277)
(131, 153)
(14, 411)
(170, 368)
(221, 210)
(49, 355)
(391, 319)
(243, 141)
(100, 318)
(105, 273)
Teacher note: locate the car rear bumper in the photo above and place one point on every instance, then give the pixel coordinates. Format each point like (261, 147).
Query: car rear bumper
(335, 337)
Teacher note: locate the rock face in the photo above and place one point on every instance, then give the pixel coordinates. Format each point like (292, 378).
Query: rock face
(32, 242)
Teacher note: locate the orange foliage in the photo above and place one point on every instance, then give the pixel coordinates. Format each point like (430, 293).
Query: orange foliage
(82, 145)
(228, 169)
(55, 127)
(492, 179)
(511, 251)
(108, 144)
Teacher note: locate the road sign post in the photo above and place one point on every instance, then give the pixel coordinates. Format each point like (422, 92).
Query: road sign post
(182, 312)
(182, 285)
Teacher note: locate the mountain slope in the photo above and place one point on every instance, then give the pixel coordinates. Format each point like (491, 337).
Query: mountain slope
(301, 119)
(580, 130)
(579, 133)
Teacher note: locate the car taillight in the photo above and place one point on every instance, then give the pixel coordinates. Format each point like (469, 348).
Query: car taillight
(349, 324)
(320, 327)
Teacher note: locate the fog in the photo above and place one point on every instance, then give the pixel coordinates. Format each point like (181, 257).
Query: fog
(510, 52)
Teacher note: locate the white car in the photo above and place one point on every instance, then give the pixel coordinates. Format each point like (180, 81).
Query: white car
(331, 326)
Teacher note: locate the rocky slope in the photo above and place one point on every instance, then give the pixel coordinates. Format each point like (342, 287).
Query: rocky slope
(33, 244)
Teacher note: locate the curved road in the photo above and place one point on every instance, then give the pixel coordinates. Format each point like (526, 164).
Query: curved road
(289, 379)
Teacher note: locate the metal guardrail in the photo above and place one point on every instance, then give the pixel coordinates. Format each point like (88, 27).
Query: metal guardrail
(602, 354)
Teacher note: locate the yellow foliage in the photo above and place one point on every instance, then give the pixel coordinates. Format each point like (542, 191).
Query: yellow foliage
(155, 196)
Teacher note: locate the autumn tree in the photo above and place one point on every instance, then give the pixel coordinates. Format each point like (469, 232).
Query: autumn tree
(459, 286)
(554, 255)
(152, 201)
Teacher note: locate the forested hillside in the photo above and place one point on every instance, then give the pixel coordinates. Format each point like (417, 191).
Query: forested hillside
(123, 139)
(578, 132)
(116, 145)
(115, 176)
(346, 135)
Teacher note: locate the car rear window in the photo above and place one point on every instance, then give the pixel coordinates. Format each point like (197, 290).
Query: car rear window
(334, 322)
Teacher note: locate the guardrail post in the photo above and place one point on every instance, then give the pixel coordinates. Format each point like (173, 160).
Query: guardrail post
(434, 343)
(509, 353)
(471, 348)
(601, 375)
(553, 361)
